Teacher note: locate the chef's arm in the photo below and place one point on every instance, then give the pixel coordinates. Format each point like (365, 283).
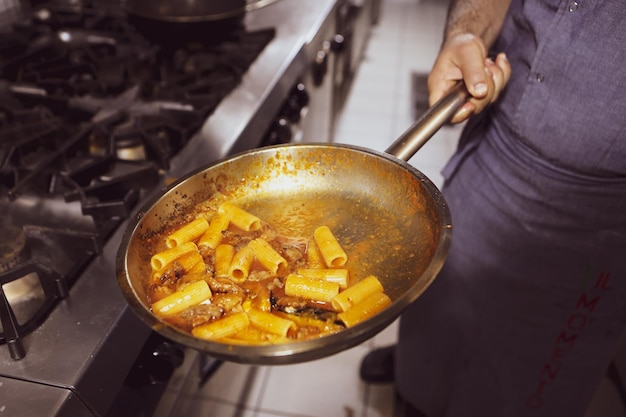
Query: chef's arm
(471, 29)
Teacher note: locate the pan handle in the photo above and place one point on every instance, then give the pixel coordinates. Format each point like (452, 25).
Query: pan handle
(429, 123)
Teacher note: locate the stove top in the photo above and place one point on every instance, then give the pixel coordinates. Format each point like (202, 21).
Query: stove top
(91, 112)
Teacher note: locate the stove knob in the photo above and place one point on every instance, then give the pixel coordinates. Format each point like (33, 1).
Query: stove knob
(297, 101)
(282, 131)
(156, 363)
(320, 65)
(338, 43)
(166, 357)
(301, 95)
(279, 133)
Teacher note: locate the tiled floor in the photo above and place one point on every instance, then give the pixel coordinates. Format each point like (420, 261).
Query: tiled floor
(377, 111)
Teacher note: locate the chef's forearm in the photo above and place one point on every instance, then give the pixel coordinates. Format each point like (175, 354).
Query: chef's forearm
(481, 18)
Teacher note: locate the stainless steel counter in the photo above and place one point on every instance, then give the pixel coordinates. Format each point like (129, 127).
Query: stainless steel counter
(77, 360)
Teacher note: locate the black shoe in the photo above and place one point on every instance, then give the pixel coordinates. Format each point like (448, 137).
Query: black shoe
(377, 366)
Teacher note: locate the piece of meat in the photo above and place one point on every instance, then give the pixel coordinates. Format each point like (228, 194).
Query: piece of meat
(197, 315)
(223, 285)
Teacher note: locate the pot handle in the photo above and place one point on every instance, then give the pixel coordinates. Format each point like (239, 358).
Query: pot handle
(429, 123)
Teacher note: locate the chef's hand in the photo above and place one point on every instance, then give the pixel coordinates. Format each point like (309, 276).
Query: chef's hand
(464, 57)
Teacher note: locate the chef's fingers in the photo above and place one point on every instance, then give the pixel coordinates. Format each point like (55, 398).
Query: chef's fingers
(475, 105)
(480, 103)
(462, 59)
(498, 74)
(500, 71)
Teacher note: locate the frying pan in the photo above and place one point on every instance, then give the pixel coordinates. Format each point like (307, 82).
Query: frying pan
(384, 212)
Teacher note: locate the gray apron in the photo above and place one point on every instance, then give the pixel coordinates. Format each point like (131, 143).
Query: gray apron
(530, 305)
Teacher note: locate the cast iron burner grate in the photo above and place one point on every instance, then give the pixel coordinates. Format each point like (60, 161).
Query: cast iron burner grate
(91, 112)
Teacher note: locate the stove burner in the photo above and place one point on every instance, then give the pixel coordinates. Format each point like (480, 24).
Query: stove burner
(13, 249)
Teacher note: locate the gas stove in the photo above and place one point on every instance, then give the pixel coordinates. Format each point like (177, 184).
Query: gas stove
(91, 112)
(96, 116)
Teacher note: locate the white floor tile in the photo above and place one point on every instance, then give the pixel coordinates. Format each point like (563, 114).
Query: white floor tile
(321, 388)
(231, 383)
(386, 337)
(213, 408)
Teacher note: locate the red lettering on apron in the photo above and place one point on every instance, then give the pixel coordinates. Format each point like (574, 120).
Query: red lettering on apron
(567, 338)
(602, 281)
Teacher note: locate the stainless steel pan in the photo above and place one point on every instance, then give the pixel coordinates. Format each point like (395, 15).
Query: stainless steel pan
(383, 210)
(194, 10)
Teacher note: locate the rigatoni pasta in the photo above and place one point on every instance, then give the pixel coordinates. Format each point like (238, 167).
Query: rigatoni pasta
(235, 279)
(187, 233)
(213, 234)
(239, 217)
(224, 327)
(161, 259)
(240, 265)
(338, 276)
(191, 262)
(269, 322)
(224, 254)
(357, 293)
(314, 256)
(191, 295)
(267, 255)
(310, 288)
(364, 309)
(332, 252)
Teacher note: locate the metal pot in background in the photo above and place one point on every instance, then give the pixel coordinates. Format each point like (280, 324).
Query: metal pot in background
(193, 10)
(174, 22)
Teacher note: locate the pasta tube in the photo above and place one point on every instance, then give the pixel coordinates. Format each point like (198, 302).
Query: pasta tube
(311, 289)
(313, 256)
(239, 217)
(213, 234)
(192, 294)
(253, 336)
(187, 233)
(332, 252)
(191, 262)
(262, 300)
(267, 255)
(356, 293)
(365, 309)
(240, 266)
(340, 276)
(161, 259)
(224, 327)
(270, 323)
(197, 268)
(223, 257)
(325, 327)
